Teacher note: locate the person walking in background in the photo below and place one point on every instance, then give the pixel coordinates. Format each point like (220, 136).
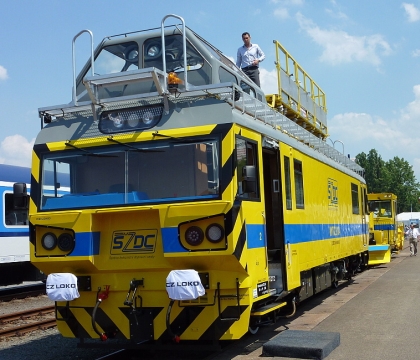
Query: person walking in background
(413, 234)
(249, 57)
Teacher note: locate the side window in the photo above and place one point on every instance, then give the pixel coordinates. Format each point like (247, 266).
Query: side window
(298, 172)
(248, 89)
(117, 58)
(287, 184)
(365, 209)
(14, 216)
(113, 59)
(247, 169)
(226, 76)
(355, 198)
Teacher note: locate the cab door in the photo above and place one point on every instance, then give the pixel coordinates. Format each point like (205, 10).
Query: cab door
(273, 217)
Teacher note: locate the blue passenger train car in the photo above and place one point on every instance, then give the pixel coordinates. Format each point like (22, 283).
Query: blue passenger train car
(15, 266)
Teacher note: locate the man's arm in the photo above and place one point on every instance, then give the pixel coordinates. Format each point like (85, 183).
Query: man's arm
(261, 55)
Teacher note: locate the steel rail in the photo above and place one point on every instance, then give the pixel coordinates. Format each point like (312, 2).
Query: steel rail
(26, 314)
(20, 329)
(26, 328)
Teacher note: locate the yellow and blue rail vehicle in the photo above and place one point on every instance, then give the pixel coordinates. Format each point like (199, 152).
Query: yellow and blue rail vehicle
(386, 235)
(176, 162)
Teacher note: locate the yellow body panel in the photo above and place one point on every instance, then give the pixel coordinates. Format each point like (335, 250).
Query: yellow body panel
(327, 189)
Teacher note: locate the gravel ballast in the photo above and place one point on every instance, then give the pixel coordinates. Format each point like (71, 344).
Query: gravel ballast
(41, 344)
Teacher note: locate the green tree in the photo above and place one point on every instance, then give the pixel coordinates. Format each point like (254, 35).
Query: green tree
(395, 176)
(401, 181)
(375, 170)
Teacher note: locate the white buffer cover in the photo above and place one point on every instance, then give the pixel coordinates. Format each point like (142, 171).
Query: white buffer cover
(184, 285)
(62, 287)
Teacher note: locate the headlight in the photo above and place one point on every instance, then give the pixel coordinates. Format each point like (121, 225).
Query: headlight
(131, 119)
(153, 51)
(49, 241)
(194, 236)
(215, 233)
(66, 242)
(116, 119)
(147, 118)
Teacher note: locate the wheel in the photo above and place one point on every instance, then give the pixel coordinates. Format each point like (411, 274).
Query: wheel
(253, 329)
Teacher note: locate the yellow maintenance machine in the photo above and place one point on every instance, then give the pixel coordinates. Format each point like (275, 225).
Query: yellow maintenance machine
(386, 235)
(195, 210)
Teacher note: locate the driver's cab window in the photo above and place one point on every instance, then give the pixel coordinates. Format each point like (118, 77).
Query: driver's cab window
(247, 169)
(117, 58)
(114, 59)
(174, 57)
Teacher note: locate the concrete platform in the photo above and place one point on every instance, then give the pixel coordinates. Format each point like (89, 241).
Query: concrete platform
(302, 344)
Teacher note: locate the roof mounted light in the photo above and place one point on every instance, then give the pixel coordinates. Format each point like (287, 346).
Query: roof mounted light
(153, 49)
(174, 79)
(131, 119)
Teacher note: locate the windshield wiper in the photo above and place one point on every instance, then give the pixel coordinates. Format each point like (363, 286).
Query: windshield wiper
(86, 152)
(110, 138)
(178, 140)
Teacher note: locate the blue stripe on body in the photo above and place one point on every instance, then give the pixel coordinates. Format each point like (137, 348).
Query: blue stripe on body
(295, 234)
(255, 234)
(171, 244)
(384, 227)
(300, 233)
(87, 244)
(170, 241)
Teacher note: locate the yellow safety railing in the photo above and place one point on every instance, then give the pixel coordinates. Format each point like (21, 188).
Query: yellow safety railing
(299, 97)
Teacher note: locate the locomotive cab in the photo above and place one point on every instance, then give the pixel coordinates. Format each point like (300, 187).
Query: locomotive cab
(204, 64)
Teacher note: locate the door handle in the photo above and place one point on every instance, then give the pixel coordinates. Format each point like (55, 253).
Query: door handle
(276, 186)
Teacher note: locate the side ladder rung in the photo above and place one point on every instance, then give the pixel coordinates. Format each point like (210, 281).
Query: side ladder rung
(267, 309)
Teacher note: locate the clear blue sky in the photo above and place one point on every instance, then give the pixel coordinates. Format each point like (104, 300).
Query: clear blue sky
(364, 54)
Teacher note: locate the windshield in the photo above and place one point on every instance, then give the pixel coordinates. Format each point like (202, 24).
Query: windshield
(382, 209)
(154, 172)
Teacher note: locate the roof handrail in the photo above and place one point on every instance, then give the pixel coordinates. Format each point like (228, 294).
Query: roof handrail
(184, 46)
(74, 98)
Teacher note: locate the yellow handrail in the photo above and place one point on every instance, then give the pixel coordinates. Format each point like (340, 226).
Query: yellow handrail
(299, 96)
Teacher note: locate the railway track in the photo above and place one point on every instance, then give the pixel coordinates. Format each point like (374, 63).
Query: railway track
(23, 322)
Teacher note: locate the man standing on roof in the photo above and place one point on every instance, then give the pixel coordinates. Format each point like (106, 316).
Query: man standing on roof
(249, 57)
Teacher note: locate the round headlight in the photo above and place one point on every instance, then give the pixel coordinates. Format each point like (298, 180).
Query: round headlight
(147, 118)
(65, 242)
(49, 241)
(117, 120)
(194, 236)
(133, 120)
(133, 55)
(215, 233)
(153, 51)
